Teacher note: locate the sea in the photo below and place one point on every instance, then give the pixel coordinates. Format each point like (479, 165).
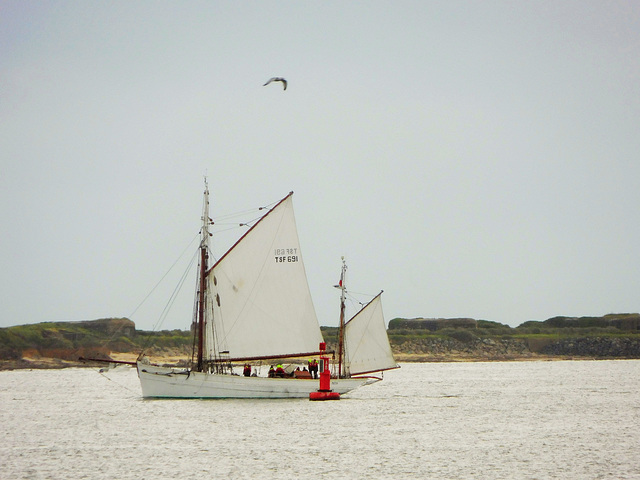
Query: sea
(511, 420)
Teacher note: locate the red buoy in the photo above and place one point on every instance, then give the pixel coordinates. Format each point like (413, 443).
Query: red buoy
(320, 395)
(324, 392)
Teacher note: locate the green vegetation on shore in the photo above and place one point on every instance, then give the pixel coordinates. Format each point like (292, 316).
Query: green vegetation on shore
(610, 336)
(95, 339)
(419, 339)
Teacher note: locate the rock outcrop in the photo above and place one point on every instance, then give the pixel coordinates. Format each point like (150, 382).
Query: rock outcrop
(478, 349)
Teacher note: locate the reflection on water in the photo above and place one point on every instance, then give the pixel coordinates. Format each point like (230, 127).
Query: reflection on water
(520, 420)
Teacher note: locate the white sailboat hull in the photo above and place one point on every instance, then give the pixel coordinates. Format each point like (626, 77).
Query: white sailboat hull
(163, 382)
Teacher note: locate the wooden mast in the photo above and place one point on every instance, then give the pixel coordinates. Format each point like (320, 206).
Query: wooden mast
(342, 287)
(204, 255)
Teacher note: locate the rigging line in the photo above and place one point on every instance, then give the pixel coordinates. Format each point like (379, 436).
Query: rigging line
(269, 206)
(351, 294)
(218, 232)
(172, 298)
(176, 290)
(239, 214)
(164, 276)
(353, 300)
(119, 329)
(118, 384)
(250, 222)
(234, 226)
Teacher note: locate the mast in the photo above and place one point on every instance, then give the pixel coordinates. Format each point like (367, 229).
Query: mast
(343, 288)
(204, 256)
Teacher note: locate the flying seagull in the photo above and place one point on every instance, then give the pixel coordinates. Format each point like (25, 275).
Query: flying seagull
(277, 79)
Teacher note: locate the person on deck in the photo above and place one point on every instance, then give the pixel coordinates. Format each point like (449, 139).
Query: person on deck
(247, 370)
(272, 372)
(280, 371)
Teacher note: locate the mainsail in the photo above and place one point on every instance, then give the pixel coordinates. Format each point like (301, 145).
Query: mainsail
(258, 300)
(367, 347)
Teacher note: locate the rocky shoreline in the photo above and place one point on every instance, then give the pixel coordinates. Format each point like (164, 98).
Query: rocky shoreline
(61, 344)
(419, 350)
(506, 349)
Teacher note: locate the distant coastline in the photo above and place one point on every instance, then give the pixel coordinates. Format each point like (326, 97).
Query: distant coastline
(47, 363)
(61, 344)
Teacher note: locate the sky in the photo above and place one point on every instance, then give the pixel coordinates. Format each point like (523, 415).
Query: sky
(470, 158)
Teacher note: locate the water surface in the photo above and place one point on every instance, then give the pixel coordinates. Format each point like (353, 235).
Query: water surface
(519, 420)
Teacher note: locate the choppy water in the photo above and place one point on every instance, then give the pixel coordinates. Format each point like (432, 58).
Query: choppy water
(525, 420)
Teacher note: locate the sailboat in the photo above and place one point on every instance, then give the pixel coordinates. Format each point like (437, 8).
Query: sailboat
(254, 305)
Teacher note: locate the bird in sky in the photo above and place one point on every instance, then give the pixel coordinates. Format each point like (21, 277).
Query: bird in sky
(277, 79)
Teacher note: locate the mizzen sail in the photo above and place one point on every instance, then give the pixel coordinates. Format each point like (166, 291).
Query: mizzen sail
(367, 347)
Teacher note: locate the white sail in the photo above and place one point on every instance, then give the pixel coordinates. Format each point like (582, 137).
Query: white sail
(367, 347)
(259, 295)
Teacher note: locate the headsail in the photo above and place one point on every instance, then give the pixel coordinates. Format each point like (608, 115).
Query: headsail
(258, 293)
(367, 347)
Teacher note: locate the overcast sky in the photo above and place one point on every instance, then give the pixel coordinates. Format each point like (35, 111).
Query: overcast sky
(470, 158)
